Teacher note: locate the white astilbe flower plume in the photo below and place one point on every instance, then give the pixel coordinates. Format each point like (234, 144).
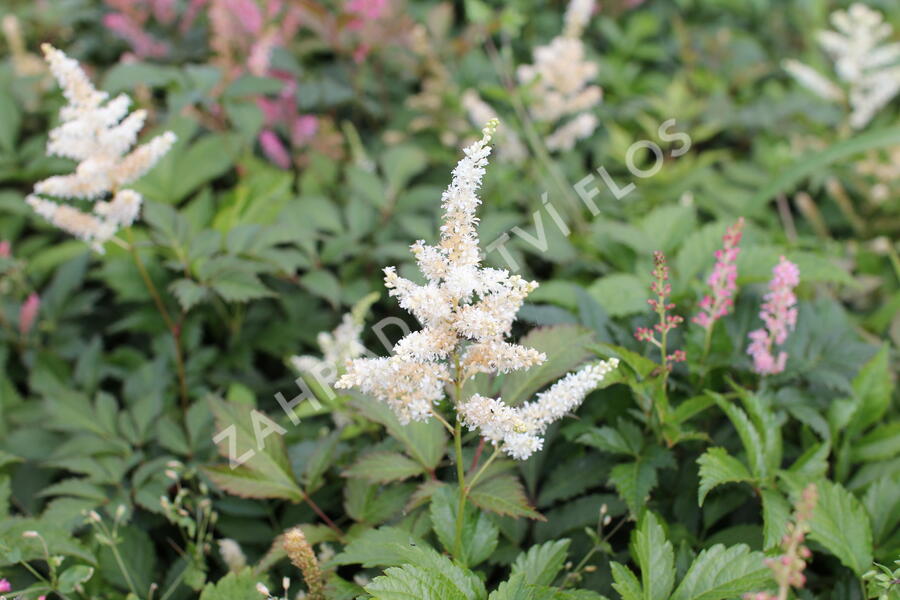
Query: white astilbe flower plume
(466, 311)
(869, 68)
(560, 82)
(97, 133)
(338, 347)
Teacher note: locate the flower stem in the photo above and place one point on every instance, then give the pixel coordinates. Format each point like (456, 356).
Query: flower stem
(174, 329)
(461, 478)
(481, 471)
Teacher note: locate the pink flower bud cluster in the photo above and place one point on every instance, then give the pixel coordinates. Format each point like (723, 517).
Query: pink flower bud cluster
(130, 20)
(662, 288)
(787, 569)
(779, 315)
(723, 279)
(28, 313)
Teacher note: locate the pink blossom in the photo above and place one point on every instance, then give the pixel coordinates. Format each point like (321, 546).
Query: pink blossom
(163, 10)
(274, 149)
(141, 42)
(779, 316)
(723, 279)
(361, 52)
(660, 305)
(28, 313)
(246, 13)
(5, 586)
(369, 10)
(304, 129)
(5, 249)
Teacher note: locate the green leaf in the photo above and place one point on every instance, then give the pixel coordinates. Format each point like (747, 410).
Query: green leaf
(427, 576)
(882, 501)
(479, 534)
(74, 576)
(542, 563)
(247, 437)
(750, 437)
(187, 292)
(382, 547)
(841, 525)
(566, 346)
(425, 442)
(246, 483)
(872, 389)
(239, 286)
(383, 467)
(776, 514)
(233, 586)
(634, 480)
(10, 120)
(517, 587)
(503, 495)
(620, 294)
(721, 573)
(717, 467)
(654, 555)
(625, 582)
(791, 176)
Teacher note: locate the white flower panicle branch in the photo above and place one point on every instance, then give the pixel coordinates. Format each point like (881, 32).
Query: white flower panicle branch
(338, 347)
(869, 67)
(98, 133)
(466, 312)
(560, 81)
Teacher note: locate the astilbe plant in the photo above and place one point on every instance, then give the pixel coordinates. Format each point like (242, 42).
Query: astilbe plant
(787, 569)
(466, 311)
(560, 82)
(779, 314)
(722, 282)
(659, 334)
(863, 61)
(99, 134)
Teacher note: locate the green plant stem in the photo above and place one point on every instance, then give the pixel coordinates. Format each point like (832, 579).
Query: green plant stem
(457, 448)
(125, 573)
(481, 471)
(174, 329)
(461, 478)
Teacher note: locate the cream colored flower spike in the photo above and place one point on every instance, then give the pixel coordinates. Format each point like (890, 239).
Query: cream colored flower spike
(98, 133)
(467, 312)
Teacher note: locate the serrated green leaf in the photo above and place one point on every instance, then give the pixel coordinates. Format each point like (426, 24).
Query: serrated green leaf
(750, 438)
(239, 286)
(233, 586)
(427, 576)
(721, 573)
(717, 467)
(426, 442)
(625, 582)
(776, 514)
(382, 547)
(872, 389)
(654, 555)
(841, 525)
(479, 534)
(542, 563)
(187, 292)
(384, 466)
(503, 495)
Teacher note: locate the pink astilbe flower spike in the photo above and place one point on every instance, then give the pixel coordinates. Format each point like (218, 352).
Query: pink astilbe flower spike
(28, 313)
(5, 586)
(5, 249)
(723, 279)
(787, 569)
(274, 149)
(662, 288)
(780, 318)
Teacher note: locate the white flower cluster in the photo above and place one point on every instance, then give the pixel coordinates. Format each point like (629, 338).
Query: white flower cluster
(560, 81)
(869, 68)
(338, 347)
(98, 134)
(520, 428)
(466, 311)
